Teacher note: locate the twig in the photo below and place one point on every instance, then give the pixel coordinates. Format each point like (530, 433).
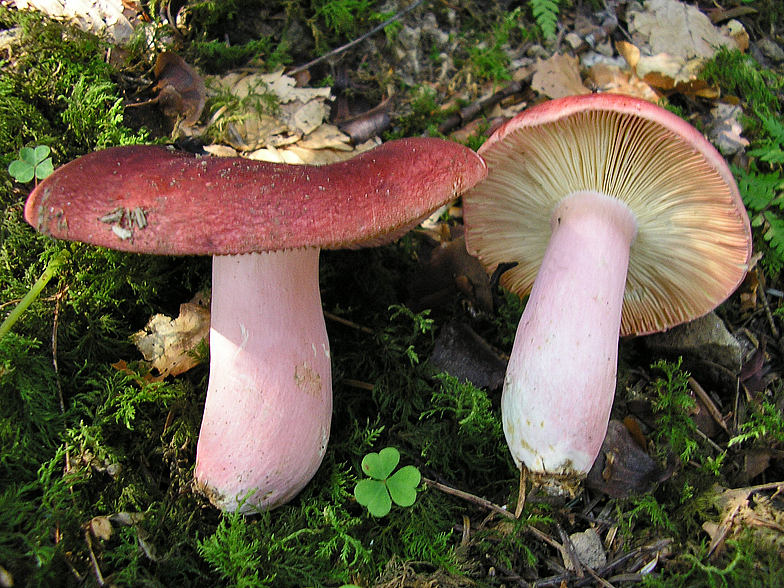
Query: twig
(94, 560)
(568, 549)
(356, 41)
(763, 299)
(598, 578)
(55, 328)
(483, 502)
(358, 384)
(605, 569)
(348, 323)
(545, 537)
(709, 404)
(709, 441)
(521, 492)
(473, 110)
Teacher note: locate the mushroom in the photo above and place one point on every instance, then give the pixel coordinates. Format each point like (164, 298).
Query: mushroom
(623, 220)
(269, 401)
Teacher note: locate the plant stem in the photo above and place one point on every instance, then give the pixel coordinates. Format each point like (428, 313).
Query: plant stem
(51, 270)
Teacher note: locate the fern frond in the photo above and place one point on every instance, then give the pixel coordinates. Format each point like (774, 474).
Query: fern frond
(759, 190)
(546, 15)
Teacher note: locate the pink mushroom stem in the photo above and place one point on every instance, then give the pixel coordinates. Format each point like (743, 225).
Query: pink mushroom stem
(269, 403)
(560, 381)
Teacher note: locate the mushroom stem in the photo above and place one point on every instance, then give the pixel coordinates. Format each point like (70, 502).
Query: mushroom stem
(269, 400)
(560, 381)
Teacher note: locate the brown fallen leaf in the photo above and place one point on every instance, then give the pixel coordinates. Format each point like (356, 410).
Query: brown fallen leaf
(558, 77)
(181, 91)
(623, 468)
(462, 353)
(107, 20)
(675, 28)
(748, 292)
(251, 124)
(168, 343)
(450, 269)
(614, 80)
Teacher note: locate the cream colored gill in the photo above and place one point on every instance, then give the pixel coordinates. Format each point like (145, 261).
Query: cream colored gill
(688, 241)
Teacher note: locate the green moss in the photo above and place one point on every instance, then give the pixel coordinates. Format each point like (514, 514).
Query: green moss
(738, 73)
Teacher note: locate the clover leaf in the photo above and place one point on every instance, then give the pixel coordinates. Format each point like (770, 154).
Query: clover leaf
(32, 163)
(380, 490)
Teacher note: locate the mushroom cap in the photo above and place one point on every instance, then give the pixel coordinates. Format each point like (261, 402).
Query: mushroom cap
(693, 243)
(152, 199)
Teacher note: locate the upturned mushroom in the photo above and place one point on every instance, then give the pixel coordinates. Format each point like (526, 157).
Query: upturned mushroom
(623, 220)
(269, 401)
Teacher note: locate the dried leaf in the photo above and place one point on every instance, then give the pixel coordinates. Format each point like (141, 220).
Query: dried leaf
(630, 52)
(623, 468)
(167, 342)
(181, 91)
(744, 508)
(558, 76)
(681, 30)
(450, 269)
(748, 292)
(665, 70)
(126, 519)
(735, 30)
(100, 527)
(462, 353)
(95, 16)
(611, 79)
(273, 111)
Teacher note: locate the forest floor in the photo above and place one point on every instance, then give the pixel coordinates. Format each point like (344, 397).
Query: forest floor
(98, 433)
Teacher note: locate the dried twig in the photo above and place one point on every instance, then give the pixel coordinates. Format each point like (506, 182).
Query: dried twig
(711, 407)
(474, 109)
(521, 492)
(568, 549)
(655, 547)
(93, 560)
(483, 502)
(348, 323)
(356, 41)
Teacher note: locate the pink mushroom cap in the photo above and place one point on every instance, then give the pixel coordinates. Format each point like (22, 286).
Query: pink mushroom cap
(622, 219)
(693, 244)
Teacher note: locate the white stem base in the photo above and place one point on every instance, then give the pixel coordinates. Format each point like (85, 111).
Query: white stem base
(560, 381)
(269, 401)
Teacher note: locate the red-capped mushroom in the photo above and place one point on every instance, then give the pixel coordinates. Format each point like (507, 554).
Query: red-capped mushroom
(622, 219)
(269, 400)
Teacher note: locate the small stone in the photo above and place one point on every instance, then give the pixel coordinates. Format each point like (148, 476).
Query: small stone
(706, 337)
(589, 549)
(574, 40)
(771, 49)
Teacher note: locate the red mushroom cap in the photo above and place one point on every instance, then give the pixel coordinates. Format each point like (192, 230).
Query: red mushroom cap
(152, 199)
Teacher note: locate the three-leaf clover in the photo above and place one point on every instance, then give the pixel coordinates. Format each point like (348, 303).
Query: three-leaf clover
(32, 163)
(380, 490)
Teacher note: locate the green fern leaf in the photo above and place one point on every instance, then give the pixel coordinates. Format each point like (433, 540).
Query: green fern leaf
(546, 15)
(775, 233)
(772, 151)
(758, 190)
